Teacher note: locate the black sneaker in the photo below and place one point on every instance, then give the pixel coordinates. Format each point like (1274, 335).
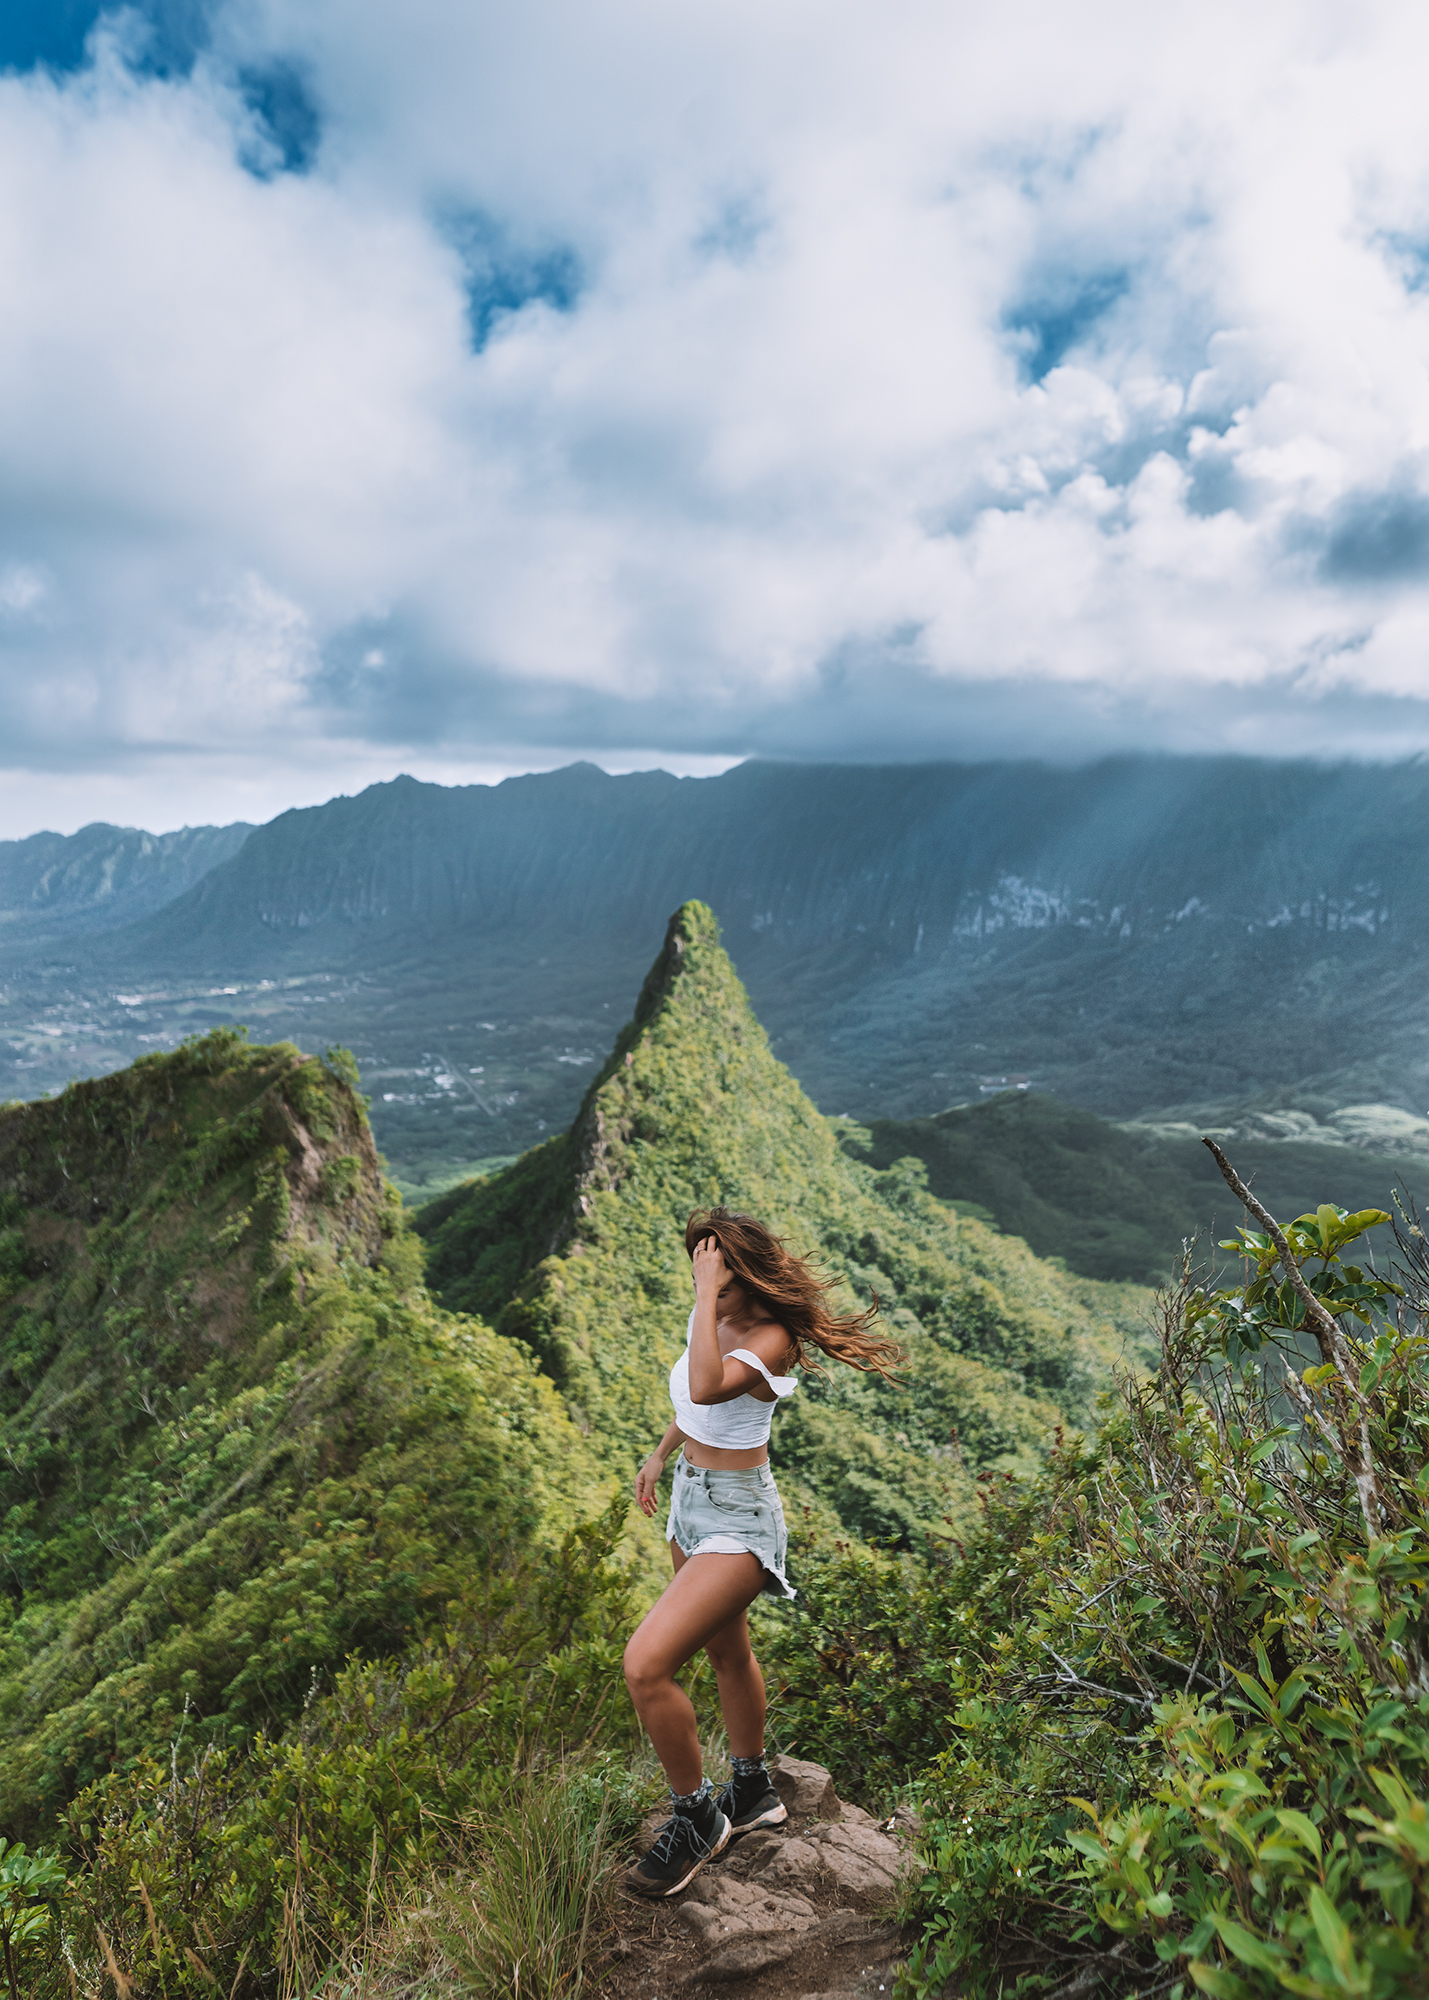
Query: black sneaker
(682, 1847)
(750, 1802)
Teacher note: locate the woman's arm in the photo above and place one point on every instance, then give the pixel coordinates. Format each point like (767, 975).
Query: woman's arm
(714, 1377)
(706, 1362)
(647, 1479)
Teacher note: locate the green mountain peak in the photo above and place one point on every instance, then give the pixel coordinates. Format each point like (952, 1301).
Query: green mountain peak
(578, 1251)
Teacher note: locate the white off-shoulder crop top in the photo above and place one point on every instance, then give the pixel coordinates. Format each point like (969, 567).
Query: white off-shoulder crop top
(738, 1425)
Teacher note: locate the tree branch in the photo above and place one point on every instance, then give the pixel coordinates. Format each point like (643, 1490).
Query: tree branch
(1323, 1322)
(1354, 1440)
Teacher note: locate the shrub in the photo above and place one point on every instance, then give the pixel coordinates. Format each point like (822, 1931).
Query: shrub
(1197, 1754)
(536, 1904)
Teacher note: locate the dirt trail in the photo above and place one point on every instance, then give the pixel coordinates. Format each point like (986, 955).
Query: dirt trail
(801, 1912)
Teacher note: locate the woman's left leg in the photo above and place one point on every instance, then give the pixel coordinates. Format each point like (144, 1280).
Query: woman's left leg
(706, 1595)
(741, 1686)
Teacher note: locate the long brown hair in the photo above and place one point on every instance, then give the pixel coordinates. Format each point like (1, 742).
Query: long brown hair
(794, 1294)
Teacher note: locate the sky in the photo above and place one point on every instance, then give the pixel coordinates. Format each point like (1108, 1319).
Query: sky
(463, 389)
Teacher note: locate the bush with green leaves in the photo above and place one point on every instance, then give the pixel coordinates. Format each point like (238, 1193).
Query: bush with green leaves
(26, 1879)
(1165, 1711)
(1195, 1753)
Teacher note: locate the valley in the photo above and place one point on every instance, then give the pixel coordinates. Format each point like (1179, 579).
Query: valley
(1173, 943)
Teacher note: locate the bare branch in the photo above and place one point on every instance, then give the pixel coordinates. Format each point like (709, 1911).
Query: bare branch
(1354, 1440)
(1323, 1322)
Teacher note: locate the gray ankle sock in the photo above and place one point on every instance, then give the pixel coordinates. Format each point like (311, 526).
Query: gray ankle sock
(687, 1801)
(747, 1767)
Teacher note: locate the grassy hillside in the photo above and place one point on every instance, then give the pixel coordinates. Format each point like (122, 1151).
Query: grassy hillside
(578, 1251)
(1114, 1203)
(236, 1440)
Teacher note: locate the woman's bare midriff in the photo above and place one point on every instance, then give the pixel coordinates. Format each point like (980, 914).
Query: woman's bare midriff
(713, 1458)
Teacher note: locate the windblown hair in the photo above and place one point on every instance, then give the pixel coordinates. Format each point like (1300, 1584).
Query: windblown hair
(794, 1295)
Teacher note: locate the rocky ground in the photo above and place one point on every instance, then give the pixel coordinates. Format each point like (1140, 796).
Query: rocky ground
(798, 1912)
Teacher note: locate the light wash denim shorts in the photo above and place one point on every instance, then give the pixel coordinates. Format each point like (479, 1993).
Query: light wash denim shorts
(729, 1513)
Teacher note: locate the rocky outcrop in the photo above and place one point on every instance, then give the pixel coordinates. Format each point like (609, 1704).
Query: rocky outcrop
(799, 1912)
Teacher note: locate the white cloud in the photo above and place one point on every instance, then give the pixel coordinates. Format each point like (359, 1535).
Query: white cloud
(891, 356)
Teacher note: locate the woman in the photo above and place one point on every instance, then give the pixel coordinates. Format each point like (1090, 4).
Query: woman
(758, 1313)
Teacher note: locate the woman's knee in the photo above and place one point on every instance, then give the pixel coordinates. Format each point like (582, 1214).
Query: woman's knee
(732, 1654)
(644, 1670)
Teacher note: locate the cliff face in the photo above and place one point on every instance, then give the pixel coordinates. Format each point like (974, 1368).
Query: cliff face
(578, 1250)
(56, 885)
(909, 859)
(236, 1441)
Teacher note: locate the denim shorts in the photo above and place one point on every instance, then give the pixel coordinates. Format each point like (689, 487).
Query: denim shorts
(729, 1513)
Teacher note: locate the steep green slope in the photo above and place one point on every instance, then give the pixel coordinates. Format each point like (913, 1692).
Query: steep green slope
(578, 1250)
(1115, 1203)
(236, 1440)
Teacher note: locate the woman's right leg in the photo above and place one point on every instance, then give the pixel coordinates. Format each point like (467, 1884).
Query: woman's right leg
(742, 1700)
(707, 1594)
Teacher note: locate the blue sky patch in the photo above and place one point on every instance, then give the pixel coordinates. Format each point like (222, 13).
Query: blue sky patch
(279, 96)
(1059, 315)
(52, 33)
(1408, 257)
(503, 276)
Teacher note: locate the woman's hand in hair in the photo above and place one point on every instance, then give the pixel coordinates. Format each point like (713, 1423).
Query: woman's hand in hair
(711, 1271)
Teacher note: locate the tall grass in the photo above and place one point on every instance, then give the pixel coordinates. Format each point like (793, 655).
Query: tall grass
(528, 1915)
(540, 1893)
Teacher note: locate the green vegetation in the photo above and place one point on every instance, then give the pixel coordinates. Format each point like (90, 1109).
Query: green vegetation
(236, 1441)
(1111, 1201)
(578, 1251)
(1167, 1709)
(24, 1920)
(905, 934)
(316, 1588)
(535, 1905)
(435, 1177)
(325, 1847)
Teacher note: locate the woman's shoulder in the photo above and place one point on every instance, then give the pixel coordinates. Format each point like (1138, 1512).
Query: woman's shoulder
(770, 1341)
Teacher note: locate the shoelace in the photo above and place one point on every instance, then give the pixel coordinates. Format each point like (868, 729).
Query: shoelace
(664, 1842)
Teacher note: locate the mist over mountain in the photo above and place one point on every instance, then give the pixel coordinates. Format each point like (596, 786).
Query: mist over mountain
(1142, 937)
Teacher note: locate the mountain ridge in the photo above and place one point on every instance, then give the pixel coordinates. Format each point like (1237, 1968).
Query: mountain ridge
(1140, 937)
(1118, 1202)
(1307, 846)
(578, 1251)
(237, 1442)
(54, 885)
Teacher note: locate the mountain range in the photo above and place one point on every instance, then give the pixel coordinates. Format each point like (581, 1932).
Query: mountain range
(1163, 940)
